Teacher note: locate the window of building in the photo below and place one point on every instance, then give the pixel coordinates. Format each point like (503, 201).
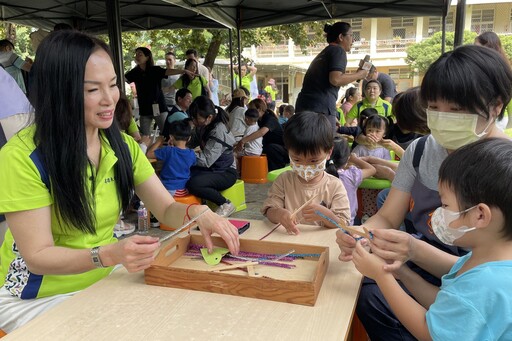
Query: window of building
(399, 73)
(399, 33)
(355, 23)
(397, 22)
(435, 24)
(482, 20)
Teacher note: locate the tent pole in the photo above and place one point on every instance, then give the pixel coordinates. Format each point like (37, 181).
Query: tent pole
(238, 31)
(459, 23)
(114, 35)
(231, 78)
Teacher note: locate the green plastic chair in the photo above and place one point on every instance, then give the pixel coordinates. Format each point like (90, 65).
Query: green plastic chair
(272, 175)
(374, 183)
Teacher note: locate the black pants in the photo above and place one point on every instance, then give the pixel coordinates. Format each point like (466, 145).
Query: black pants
(207, 185)
(277, 156)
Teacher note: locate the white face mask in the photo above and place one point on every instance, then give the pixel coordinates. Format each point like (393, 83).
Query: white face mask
(441, 220)
(454, 130)
(308, 172)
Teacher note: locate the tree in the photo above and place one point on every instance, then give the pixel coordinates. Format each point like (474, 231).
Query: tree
(422, 54)
(209, 43)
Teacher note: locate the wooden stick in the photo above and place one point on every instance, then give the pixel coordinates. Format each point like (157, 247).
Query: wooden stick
(292, 215)
(250, 270)
(347, 229)
(353, 230)
(304, 205)
(270, 232)
(234, 266)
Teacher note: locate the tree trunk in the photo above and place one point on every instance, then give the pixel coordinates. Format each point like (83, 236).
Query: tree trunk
(213, 50)
(10, 33)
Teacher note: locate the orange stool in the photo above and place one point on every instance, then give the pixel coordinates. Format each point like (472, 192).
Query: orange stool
(2, 333)
(254, 169)
(187, 199)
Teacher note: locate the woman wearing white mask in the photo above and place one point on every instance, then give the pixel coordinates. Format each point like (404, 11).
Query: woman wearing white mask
(459, 113)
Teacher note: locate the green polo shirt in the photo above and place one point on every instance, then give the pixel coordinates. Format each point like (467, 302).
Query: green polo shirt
(23, 189)
(194, 86)
(383, 108)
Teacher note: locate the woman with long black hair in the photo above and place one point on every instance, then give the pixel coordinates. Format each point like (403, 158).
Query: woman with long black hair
(65, 180)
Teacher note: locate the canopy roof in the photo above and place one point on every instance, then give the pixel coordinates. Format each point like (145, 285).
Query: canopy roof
(258, 13)
(90, 15)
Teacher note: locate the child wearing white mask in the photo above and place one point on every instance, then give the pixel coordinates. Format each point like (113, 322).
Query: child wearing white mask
(451, 86)
(309, 140)
(474, 301)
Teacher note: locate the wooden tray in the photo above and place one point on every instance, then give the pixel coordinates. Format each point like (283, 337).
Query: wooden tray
(299, 285)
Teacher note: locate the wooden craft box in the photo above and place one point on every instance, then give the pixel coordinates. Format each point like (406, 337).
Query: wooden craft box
(299, 285)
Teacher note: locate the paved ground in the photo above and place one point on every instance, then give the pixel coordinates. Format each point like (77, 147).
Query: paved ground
(255, 194)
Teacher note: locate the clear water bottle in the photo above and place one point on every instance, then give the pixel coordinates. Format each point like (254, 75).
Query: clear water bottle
(156, 133)
(142, 219)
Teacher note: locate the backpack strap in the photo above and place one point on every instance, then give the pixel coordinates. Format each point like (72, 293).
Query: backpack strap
(418, 151)
(229, 147)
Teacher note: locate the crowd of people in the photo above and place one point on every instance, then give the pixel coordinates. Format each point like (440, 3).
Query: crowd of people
(442, 228)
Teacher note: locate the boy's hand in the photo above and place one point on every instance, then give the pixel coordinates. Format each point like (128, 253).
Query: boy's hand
(289, 223)
(368, 264)
(309, 215)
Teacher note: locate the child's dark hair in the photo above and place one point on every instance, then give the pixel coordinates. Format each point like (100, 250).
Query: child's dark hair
(252, 114)
(363, 115)
(247, 92)
(281, 109)
(308, 133)
(6, 43)
(339, 156)
(460, 75)
(123, 112)
(481, 172)
(375, 121)
(181, 93)
(350, 93)
(289, 109)
(180, 130)
(409, 111)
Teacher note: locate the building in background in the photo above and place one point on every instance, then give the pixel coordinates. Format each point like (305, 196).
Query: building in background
(384, 39)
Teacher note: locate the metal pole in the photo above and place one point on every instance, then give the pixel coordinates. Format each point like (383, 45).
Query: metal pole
(459, 23)
(114, 35)
(443, 34)
(231, 78)
(238, 20)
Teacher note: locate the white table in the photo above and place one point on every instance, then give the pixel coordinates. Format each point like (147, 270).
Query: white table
(122, 307)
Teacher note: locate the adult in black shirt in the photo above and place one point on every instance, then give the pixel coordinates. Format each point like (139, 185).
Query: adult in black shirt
(272, 133)
(148, 82)
(326, 74)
